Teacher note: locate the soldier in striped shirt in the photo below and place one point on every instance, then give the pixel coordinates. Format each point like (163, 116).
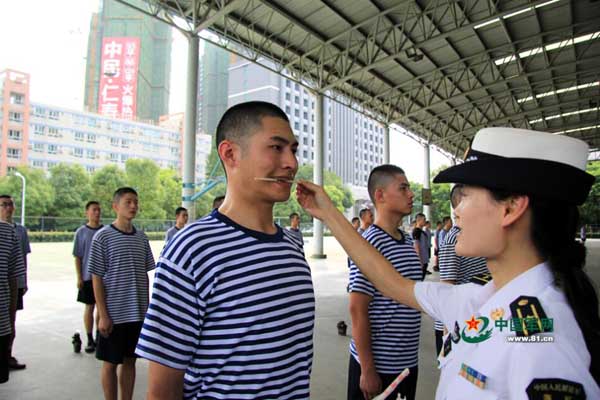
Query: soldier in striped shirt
(7, 210)
(11, 269)
(81, 252)
(232, 309)
(119, 261)
(181, 219)
(385, 334)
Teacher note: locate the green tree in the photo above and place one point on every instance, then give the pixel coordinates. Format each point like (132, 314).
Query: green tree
(203, 204)
(143, 176)
(72, 190)
(39, 195)
(590, 210)
(104, 183)
(340, 194)
(171, 185)
(440, 197)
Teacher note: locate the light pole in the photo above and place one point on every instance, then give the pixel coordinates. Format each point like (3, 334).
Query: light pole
(17, 173)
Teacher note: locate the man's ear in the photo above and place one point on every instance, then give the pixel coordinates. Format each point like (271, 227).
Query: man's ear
(378, 195)
(229, 153)
(514, 208)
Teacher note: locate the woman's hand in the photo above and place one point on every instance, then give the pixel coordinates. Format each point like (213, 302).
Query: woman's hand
(314, 200)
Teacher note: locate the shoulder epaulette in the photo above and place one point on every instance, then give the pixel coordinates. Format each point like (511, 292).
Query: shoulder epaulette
(481, 279)
(529, 317)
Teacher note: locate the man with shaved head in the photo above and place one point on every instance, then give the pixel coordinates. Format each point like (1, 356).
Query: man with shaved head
(385, 334)
(232, 311)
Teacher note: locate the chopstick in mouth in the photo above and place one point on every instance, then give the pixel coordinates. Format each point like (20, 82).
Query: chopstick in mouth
(274, 180)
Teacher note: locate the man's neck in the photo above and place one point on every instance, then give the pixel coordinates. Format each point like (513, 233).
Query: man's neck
(123, 224)
(7, 220)
(389, 222)
(179, 225)
(257, 216)
(93, 224)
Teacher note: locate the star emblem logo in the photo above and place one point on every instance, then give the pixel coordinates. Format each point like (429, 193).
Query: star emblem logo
(473, 324)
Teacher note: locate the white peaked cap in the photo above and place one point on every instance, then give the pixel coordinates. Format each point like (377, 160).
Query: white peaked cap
(528, 162)
(521, 143)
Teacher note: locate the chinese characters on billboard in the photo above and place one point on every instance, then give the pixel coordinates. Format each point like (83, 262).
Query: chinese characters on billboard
(118, 77)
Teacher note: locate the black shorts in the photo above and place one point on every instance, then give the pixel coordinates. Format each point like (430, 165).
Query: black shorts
(120, 343)
(86, 293)
(20, 294)
(4, 356)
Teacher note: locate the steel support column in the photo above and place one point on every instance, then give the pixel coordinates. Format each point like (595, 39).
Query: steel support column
(189, 136)
(318, 172)
(426, 173)
(386, 145)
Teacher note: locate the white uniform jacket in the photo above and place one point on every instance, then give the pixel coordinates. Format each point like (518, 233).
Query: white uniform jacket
(483, 363)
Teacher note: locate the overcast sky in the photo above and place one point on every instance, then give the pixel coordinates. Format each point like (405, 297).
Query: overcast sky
(48, 39)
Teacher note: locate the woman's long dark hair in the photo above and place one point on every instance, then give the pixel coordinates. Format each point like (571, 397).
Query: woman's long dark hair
(553, 234)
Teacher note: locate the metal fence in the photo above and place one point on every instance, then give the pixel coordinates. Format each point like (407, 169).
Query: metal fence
(58, 224)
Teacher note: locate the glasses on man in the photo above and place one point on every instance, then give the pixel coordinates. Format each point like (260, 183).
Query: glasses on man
(5, 204)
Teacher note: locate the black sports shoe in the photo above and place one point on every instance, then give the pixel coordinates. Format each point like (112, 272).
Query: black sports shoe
(14, 364)
(76, 342)
(90, 348)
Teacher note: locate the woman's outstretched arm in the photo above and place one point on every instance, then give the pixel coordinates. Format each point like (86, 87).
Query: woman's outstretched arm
(370, 262)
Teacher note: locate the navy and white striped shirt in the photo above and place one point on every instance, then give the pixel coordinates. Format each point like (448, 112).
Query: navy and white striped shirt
(235, 309)
(11, 267)
(122, 260)
(81, 247)
(457, 268)
(23, 239)
(394, 327)
(297, 233)
(170, 233)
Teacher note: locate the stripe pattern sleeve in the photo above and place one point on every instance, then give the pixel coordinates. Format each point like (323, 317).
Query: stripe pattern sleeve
(234, 309)
(11, 267)
(122, 260)
(394, 327)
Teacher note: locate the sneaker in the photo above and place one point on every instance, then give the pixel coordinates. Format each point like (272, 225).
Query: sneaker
(427, 273)
(14, 364)
(76, 341)
(90, 348)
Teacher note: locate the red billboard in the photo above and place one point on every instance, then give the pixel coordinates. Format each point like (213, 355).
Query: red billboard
(118, 77)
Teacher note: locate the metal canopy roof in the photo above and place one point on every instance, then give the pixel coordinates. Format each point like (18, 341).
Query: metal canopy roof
(440, 68)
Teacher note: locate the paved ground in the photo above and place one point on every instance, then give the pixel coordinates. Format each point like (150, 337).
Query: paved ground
(45, 327)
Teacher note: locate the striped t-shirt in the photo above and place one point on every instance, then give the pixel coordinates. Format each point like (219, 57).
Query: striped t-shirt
(170, 233)
(11, 267)
(122, 260)
(23, 240)
(81, 247)
(394, 327)
(235, 309)
(457, 268)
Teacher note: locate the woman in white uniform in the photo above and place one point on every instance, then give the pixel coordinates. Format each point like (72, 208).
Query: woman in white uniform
(533, 330)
